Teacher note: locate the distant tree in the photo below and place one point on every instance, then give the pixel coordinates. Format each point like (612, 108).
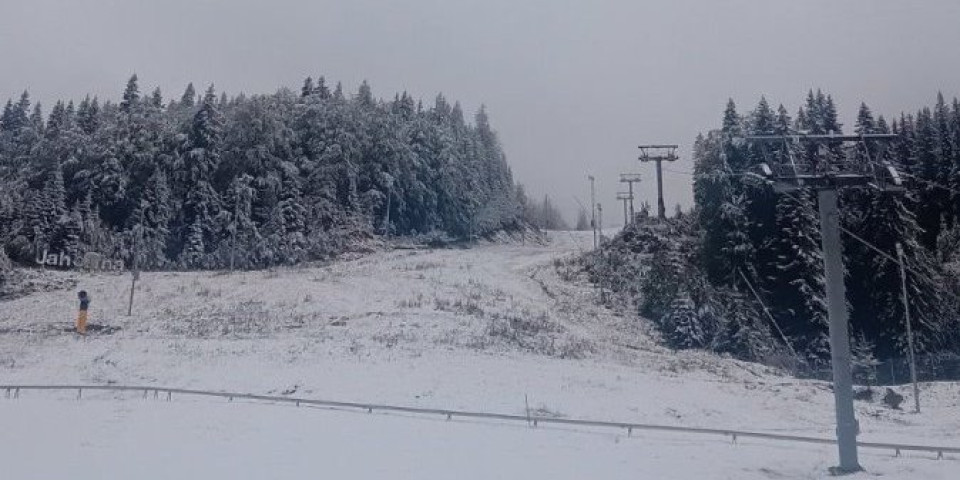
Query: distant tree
(131, 95)
(189, 97)
(308, 87)
(583, 223)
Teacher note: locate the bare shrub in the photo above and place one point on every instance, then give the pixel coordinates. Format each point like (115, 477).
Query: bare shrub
(536, 333)
(244, 319)
(442, 304)
(393, 338)
(411, 303)
(468, 307)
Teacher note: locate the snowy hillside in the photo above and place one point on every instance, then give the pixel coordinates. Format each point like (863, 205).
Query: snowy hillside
(472, 329)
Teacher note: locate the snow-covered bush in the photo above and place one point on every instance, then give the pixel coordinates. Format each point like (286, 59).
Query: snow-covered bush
(5, 267)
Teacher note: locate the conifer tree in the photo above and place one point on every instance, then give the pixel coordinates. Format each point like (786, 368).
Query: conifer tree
(308, 88)
(131, 94)
(798, 281)
(19, 117)
(202, 158)
(88, 115)
(189, 97)
(156, 99)
(194, 251)
(152, 220)
(57, 121)
(321, 89)
(37, 124)
(7, 119)
(682, 325)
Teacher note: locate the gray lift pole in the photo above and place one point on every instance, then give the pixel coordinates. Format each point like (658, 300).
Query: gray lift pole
(847, 427)
(603, 293)
(826, 174)
(629, 179)
(659, 154)
(593, 210)
(626, 198)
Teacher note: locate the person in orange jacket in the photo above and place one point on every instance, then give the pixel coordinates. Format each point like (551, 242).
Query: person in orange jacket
(82, 315)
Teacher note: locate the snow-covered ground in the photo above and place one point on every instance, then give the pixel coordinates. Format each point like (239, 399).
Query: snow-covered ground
(471, 329)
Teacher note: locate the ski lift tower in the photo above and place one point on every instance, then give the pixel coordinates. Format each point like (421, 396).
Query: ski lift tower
(659, 154)
(629, 179)
(831, 162)
(626, 198)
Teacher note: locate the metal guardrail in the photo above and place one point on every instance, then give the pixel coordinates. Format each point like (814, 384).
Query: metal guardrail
(14, 392)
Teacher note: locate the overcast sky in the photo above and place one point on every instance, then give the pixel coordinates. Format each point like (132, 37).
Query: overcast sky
(572, 86)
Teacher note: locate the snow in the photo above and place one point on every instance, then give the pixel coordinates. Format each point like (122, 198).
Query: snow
(112, 437)
(417, 329)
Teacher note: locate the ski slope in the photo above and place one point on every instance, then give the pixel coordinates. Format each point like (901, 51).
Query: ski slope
(490, 328)
(107, 437)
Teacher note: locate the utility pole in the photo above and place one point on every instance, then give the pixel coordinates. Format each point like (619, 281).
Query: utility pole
(826, 175)
(630, 179)
(603, 293)
(134, 266)
(626, 197)
(906, 314)
(593, 211)
(659, 154)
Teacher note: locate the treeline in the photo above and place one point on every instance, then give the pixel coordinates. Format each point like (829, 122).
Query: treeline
(208, 181)
(543, 215)
(742, 237)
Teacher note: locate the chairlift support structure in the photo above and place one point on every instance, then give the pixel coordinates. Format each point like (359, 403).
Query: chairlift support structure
(833, 164)
(627, 199)
(629, 179)
(659, 154)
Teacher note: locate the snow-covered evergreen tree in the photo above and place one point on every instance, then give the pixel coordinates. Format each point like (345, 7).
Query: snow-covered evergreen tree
(682, 324)
(797, 284)
(140, 169)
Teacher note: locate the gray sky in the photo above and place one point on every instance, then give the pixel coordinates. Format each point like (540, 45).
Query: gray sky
(572, 87)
